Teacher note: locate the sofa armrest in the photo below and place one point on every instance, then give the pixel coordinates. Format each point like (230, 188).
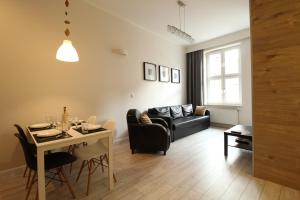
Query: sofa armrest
(160, 121)
(207, 112)
(154, 129)
(169, 120)
(149, 135)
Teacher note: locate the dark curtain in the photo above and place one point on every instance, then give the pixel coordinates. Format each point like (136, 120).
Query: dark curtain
(195, 77)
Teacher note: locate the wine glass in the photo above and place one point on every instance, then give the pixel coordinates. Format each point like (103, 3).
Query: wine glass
(70, 121)
(53, 121)
(75, 121)
(59, 126)
(49, 119)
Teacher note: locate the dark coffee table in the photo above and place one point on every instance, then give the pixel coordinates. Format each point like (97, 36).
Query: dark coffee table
(240, 132)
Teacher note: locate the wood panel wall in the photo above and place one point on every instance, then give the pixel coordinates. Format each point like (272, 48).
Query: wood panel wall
(275, 29)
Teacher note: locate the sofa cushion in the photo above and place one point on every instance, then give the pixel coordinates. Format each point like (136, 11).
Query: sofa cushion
(200, 110)
(188, 125)
(188, 120)
(187, 110)
(160, 111)
(176, 111)
(145, 119)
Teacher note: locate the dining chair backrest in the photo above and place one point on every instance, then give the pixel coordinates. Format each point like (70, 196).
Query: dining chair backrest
(92, 120)
(109, 125)
(28, 153)
(21, 131)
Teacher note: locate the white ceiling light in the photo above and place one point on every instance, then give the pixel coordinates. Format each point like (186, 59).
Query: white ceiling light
(67, 52)
(179, 31)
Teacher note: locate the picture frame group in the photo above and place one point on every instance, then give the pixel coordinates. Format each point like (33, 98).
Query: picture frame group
(165, 74)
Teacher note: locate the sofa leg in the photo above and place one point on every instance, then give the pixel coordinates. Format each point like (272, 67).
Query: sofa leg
(132, 151)
(165, 152)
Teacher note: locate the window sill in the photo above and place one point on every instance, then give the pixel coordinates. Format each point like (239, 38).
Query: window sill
(236, 107)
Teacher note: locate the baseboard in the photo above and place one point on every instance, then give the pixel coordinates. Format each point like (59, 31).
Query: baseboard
(220, 125)
(121, 139)
(11, 170)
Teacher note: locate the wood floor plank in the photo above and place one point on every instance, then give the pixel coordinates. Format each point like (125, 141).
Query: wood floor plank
(289, 194)
(271, 191)
(238, 185)
(253, 189)
(194, 168)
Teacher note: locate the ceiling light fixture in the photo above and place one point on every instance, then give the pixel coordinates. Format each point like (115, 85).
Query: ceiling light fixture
(66, 52)
(178, 31)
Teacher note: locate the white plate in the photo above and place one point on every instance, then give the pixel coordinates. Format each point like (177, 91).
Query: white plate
(41, 125)
(93, 126)
(48, 133)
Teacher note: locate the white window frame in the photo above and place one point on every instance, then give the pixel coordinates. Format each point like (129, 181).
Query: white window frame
(223, 76)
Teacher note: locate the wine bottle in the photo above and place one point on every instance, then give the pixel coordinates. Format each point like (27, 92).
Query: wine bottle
(65, 119)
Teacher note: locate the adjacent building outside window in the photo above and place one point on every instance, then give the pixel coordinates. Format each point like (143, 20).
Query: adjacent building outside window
(222, 76)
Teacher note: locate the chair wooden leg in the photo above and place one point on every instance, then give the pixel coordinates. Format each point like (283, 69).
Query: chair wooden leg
(89, 177)
(59, 176)
(93, 162)
(101, 161)
(63, 176)
(71, 166)
(106, 158)
(37, 193)
(24, 174)
(30, 186)
(115, 180)
(82, 166)
(71, 151)
(28, 178)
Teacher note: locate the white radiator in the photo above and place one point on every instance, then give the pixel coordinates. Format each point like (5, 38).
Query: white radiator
(224, 115)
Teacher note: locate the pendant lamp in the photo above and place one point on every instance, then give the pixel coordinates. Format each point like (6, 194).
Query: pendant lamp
(67, 52)
(180, 32)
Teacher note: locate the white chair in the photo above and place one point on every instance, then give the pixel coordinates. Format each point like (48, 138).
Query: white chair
(92, 120)
(94, 155)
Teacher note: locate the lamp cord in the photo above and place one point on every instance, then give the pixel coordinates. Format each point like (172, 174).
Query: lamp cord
(183, 18)
(179, 17)
(67, 22)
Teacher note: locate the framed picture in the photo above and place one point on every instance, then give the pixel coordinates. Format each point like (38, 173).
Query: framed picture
(175, 75)
(164, 75)
(149, 71)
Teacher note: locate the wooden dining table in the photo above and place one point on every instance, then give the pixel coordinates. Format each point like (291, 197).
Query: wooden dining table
(76, 138)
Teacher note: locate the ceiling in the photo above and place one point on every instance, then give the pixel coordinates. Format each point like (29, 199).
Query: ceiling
(205, 19)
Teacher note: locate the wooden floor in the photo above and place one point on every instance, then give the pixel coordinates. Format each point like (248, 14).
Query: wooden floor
(194, 168)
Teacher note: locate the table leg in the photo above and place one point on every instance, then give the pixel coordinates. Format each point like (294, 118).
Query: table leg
(225, 144)
(41, 174)
(110, 162)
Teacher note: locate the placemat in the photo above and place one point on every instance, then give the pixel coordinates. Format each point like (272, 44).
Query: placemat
(40, 129)
(62, 135)
(89, 131)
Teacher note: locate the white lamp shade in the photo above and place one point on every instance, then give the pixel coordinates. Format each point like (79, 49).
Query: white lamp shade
(66, 52)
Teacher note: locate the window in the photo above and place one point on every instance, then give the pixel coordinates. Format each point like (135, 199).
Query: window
(223, 76)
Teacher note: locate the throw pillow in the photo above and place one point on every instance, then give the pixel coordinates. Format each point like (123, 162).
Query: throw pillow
(160, 111)
(176, 111)
(200, 110)
(187, 110)
(145, 119)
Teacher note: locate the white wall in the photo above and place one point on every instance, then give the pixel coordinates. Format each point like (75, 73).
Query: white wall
(34, 84)
(230, 115)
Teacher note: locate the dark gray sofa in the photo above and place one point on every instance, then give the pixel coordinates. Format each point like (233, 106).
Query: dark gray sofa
(181, 119)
